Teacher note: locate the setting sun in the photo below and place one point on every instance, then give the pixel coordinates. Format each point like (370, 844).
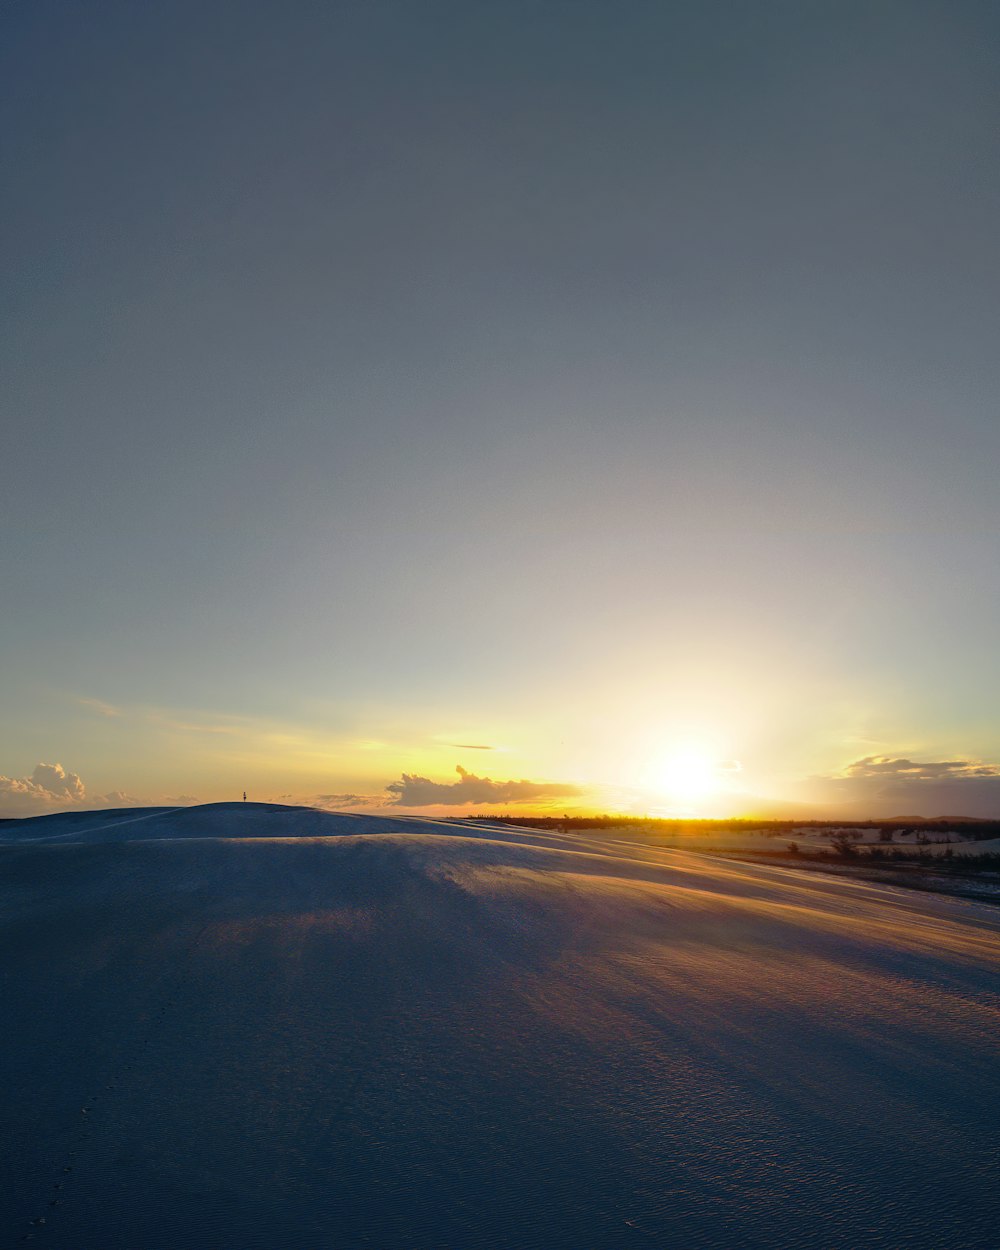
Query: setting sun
(686, 776)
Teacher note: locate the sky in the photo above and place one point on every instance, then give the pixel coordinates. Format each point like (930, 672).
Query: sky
(469, 406)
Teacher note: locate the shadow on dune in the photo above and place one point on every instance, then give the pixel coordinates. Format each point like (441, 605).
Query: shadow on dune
(250, 1026)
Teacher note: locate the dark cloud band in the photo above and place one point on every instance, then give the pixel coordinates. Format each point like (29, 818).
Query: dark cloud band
(412, 791)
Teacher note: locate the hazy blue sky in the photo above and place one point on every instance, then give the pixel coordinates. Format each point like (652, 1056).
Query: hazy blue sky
(602, 383)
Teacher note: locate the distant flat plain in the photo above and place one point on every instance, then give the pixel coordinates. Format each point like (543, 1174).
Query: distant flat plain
(251, 1026)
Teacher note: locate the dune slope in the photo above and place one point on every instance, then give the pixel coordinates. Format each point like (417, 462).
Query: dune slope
(255, 1026)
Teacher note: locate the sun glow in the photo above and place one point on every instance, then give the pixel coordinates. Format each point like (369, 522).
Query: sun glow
(687, 777)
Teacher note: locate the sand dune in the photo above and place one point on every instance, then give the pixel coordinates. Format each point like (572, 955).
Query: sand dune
(250, 1026)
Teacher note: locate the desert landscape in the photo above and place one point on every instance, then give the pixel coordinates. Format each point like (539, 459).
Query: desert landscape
(254, 1025)
(498, 673)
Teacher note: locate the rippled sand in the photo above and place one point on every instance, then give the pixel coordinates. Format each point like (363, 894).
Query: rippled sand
(256, 1027)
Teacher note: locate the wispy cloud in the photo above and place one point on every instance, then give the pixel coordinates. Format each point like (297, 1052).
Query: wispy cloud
(233, 727)
(339, 802)
(101, 708)
(413, 791)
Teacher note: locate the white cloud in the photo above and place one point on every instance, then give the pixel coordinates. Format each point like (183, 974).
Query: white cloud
(57, 781)
(49, 788)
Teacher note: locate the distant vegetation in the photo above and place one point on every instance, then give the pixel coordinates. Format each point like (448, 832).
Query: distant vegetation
(902, 843)
(967, 829)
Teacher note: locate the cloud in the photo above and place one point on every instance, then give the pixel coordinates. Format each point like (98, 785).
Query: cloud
(883, 766)
(55, 779)
(227, 728)
(469, 746)
(413, 791)
(100, 707)
(116, 798)
(335, 802)
(48, 788)
(884, 785)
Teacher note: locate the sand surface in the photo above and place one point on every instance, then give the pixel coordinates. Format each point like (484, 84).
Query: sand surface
(255, 1027)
